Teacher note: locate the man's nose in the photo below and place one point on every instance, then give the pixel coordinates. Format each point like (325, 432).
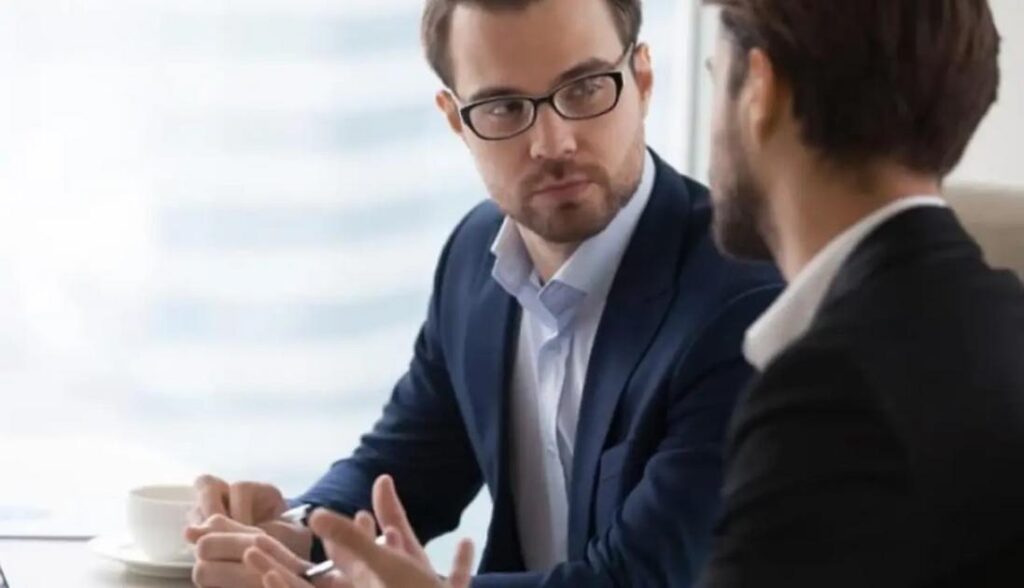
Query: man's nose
(552, 137)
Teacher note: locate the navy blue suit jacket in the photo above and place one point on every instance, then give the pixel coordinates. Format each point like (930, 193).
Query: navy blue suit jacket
(664, 374)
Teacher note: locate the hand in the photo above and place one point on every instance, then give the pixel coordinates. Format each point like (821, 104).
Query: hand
(362, 562)
(278, 568)
(369, 565)
(220, 544)
(252, 504)
(391, 517)
(249, 503)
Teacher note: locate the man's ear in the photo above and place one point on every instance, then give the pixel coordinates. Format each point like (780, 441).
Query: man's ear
(450, 109)
(643, 73)
(765, 96)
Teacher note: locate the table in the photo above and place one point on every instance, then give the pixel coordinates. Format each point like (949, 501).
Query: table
(48, 563)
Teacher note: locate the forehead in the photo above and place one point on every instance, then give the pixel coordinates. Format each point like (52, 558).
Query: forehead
(528, 48)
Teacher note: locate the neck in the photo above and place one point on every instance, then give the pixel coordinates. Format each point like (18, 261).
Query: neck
(547, 257)
(809, 210)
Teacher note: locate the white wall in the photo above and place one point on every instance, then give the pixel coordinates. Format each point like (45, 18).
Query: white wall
(997, 154)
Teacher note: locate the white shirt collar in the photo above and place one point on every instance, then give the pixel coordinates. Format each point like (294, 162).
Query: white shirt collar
(791, 315)
(589, 272)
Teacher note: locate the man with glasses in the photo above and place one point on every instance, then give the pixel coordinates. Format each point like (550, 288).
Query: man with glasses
(581, 354)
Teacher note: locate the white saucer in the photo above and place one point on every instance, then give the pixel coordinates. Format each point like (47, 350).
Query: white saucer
(124, 551)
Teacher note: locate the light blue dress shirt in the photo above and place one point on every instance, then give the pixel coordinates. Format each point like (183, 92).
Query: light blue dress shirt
(556, 335)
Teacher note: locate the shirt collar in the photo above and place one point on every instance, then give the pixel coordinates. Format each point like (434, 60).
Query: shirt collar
(790, 317)
(589, 272)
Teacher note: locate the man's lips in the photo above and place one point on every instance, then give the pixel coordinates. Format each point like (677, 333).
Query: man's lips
(565, 189)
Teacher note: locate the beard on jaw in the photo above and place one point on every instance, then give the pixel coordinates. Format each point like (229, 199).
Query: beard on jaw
(576, 221)
(738, 216)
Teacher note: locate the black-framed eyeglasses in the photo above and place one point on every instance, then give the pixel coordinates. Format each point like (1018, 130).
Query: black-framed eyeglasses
(589, 96)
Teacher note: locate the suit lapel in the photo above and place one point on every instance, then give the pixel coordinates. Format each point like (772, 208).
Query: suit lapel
(489, 353)
(640, 297)
(490, 349)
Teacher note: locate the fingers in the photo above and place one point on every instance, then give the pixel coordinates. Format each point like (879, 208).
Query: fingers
(346, 535)
(462, 568)
(342, 557)
(249, 503)
(218, 524)
(240, 505)
(266, 565)
(391, 514)
(275, 580)
(392, 568)
(386, 504)
(366, 523)
(281, 554)
(219, 574)
(296, 537)
(393, 539)
(211, 496)
(266, 560)
(195, 515)
(224, 546)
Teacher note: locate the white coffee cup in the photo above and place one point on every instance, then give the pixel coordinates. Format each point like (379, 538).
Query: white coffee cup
(157, 517)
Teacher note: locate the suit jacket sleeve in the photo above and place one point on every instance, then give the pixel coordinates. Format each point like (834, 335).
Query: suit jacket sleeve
(815, 493)
(661, 535)
(420, 440)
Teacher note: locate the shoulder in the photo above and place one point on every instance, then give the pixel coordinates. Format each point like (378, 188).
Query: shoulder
(467, 251)
(477, 229)
(730, 293)
(716, 297)
(803, 399)
(686, 203)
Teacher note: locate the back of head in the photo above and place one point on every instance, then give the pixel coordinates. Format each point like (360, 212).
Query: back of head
(904, 80)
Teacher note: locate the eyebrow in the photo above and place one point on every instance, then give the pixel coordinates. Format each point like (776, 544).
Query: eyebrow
(592, 65)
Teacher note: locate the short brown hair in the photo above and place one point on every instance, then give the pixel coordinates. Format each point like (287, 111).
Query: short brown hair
(437, 17)
(904, 79)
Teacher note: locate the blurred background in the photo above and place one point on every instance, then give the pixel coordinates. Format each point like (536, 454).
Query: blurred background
(218, 225)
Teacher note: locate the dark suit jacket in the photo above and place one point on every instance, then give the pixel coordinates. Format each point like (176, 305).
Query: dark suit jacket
(886, 447)
(664, 373)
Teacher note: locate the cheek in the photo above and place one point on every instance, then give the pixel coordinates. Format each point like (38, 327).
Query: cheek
(718, 144)
(628, 116)
(501, 165)
(717, 117)
(607, 139)
(720, 163)
(720, 130)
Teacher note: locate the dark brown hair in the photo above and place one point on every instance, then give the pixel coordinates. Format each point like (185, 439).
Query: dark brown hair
(903, 79)
(437, 17)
